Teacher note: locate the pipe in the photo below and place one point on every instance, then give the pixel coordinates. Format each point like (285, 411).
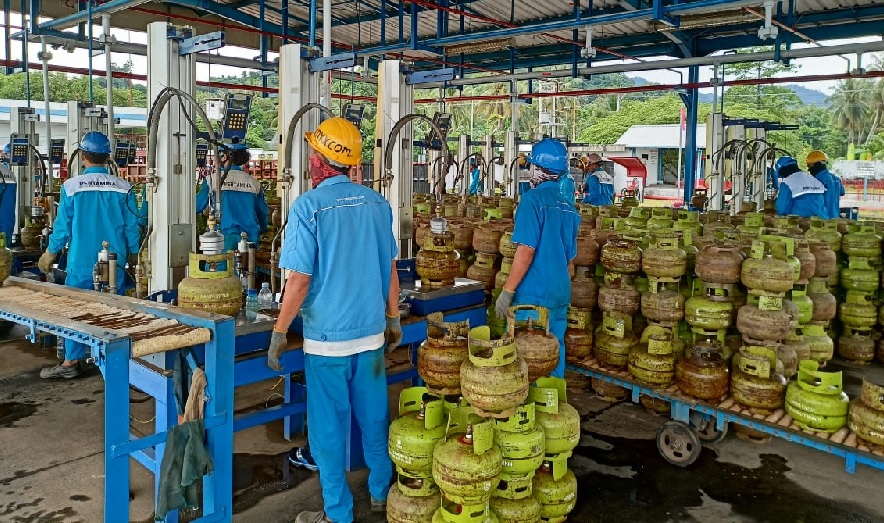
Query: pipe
(89, 35)
(811, 52)
(45, 56)
(107, 7)
(105, 27)
(325, 81)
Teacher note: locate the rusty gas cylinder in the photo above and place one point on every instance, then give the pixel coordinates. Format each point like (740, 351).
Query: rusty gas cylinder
(534, 343)
(807, 260)
(437, 262)
(761, 324)
(587, 250)
(578, 335)
(584, 289)
(719, 264)
(664, 305)
(664, 258)
(621, 256)
(440, 357)
(703, 372)
(486, 237)
(618, 296)
(463, 233)
(825, 259)
(483, 270)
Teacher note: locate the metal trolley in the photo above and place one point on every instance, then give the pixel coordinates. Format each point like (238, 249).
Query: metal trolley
(694, 423)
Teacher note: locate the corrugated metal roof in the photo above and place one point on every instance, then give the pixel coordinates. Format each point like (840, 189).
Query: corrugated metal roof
(658, 136)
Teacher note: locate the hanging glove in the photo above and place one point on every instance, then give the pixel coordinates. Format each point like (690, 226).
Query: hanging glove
(278, 344)
(393, 332)
(46, 261)
(132, 260)
(503, 303)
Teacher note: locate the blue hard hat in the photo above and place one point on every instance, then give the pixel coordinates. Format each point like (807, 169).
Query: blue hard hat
(785, 161)
(96, 143)
(550, 154)
(238, 147)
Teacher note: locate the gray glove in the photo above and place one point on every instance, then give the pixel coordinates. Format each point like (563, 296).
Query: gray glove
(503, 303)
(45, 262)
(393, 332)
(278, 344)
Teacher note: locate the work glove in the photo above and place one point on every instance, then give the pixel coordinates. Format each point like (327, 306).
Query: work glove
(278, 344)
(503, 303)
(46, 261)
(393, 332)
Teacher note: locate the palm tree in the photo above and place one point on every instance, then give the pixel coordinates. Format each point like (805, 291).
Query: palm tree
(850, 107)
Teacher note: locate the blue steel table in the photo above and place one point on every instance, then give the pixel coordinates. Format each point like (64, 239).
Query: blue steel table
(152, 375)
(112, 352)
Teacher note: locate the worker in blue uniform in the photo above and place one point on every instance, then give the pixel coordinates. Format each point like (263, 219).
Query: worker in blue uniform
(546, 237)
(800, 193)
(93, 208)
(599, 187)
(476, 185)
(566, 186)
(7, 197)
(817, 165)
(340, 249)
(243, 207)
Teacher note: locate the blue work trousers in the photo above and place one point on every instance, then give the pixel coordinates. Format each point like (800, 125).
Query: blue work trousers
(558, 324)
(73, 350)
(338, 390)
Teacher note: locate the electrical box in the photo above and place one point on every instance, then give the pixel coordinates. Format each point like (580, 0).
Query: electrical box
(443, 121)
(19, 150)
(202, 154)
(236, 116)
(56, 150)
(354, 113)
(124, 153)
(215, 109)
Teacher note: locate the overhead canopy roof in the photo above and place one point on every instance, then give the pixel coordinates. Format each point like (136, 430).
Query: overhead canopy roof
(485, 35)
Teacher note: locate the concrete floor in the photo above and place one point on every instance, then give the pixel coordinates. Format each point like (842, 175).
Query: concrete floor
(51, 465)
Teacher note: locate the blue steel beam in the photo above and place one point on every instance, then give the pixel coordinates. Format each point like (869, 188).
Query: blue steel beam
(690, 155)
(80, 16)
(567, 22)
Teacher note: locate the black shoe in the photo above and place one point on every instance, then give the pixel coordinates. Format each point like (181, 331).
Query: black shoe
(301, 458)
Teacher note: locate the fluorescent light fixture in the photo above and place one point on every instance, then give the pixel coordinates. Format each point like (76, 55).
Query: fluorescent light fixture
(485, 46)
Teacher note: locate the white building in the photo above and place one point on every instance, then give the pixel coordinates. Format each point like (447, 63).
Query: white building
(648, 142)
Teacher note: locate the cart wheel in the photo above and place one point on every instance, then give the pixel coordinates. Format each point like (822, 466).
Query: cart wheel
(706, 429)
(678, 443)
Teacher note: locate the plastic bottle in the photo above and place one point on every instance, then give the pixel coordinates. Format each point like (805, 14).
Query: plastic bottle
(265, 297)
(252, 300)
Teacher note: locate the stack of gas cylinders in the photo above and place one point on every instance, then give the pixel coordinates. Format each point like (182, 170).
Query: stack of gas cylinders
(489, 437)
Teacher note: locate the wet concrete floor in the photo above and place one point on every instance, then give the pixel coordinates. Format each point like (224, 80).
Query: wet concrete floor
(51, 464)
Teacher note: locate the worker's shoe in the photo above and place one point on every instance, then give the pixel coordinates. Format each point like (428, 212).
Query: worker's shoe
(61, 371)
(378, 505)
(312, 517)
(301, 457)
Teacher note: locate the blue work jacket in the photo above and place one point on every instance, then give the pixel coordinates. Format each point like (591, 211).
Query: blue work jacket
(801, 194)
(834, 192)
(476, 185)
(95, 207)
(243, 208)
(341, 234)
(548, 224)
(7, 202)
(599, 188)
(566, 187)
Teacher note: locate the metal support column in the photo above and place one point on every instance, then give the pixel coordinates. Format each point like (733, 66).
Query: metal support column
(297, 88)
(396, 100)
(171, 201)
(690, 171)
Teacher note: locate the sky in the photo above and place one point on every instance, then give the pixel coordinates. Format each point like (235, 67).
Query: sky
(823, 65)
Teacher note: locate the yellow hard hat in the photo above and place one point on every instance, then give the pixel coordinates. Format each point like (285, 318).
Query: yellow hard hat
(816, 157)
(338, 140)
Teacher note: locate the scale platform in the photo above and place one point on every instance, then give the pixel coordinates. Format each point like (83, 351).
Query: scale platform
(464, 293)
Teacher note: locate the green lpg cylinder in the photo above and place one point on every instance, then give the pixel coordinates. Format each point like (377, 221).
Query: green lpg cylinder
(413, 437)
(467, 465)
(816, 400)
(407, 509)
(454, 513)
(521, 442)
(560, 421)
(555, 487)
(524, 510)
